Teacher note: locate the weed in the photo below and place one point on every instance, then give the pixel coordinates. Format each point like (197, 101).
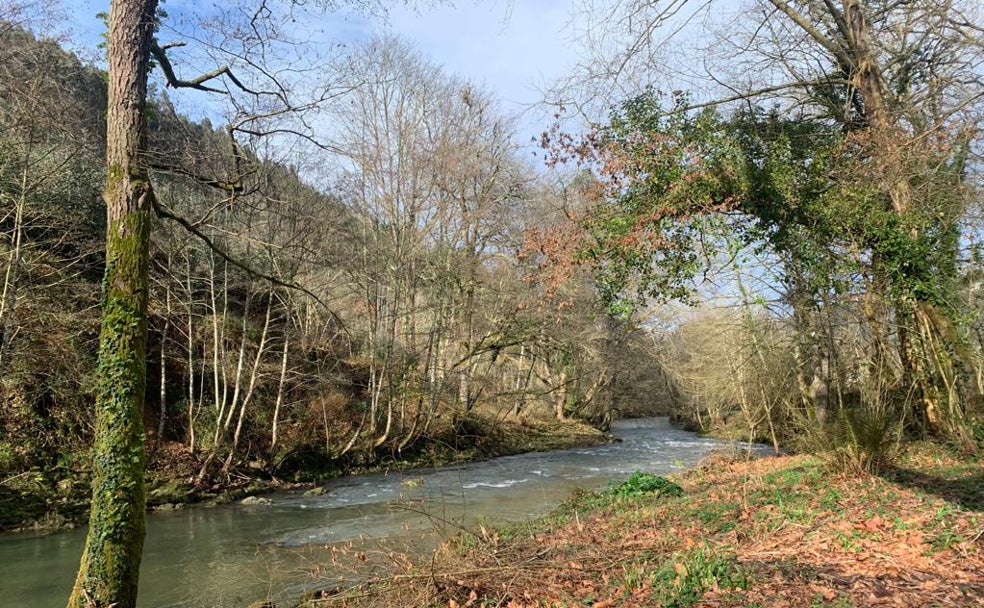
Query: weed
(633, 576)
(945, 540)
(641, 484)
(847, 541)
(717, 513)
(945, 511)
(830, 499)
(786, 477)
(682, 582)
(842, 601)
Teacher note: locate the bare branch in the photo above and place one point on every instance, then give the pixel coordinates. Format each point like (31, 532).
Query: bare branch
(165, 213)
(835, 49)
(234, 187)
(198, 84)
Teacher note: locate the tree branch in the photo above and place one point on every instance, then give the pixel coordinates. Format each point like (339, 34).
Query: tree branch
(198, 84)
(235, 187)
(835, 49)
(165, 213)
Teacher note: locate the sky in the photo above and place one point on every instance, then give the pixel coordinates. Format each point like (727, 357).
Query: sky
(511, 47)
(515, 48)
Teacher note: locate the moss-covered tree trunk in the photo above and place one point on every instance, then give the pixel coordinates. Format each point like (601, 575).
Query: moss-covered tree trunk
(111, 560)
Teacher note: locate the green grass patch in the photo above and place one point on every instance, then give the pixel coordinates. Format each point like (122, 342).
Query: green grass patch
(684, 580)
(645, 484)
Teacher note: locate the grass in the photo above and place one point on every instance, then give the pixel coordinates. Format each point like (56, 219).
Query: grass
(771, 532)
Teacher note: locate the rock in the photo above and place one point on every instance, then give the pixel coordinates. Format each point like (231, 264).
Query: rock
(255, 500)
(319, 491)
(48, 524)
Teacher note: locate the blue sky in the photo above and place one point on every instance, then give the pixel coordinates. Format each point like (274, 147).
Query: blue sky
(512, 47)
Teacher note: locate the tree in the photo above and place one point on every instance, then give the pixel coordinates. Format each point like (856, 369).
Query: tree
(110, 564)
(432, 169)
(895, 104)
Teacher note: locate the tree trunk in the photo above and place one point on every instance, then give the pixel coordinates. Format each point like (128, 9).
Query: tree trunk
(280, 392)
(110, 563)
(191, 358)
(162, 416)
(560, 400)
(11, 281)
(254, 374)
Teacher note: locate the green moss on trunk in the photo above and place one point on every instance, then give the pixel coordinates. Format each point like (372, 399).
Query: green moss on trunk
(110, 565)
(111, 562)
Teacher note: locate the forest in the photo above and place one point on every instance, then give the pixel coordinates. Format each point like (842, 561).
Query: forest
(354, 263)
(295, 330)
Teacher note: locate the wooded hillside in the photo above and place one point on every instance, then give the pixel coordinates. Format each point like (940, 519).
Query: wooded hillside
(294, 327)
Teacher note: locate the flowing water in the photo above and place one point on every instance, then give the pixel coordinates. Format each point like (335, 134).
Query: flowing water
(229, 556)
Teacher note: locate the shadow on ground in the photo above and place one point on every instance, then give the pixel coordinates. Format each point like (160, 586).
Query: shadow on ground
(964, 488)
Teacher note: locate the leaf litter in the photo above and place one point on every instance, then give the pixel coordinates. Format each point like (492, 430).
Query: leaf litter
(777, 531)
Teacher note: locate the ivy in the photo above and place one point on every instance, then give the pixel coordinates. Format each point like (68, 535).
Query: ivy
(790, 186)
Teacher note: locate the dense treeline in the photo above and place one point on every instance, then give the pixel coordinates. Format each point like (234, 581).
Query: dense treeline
(292, 325)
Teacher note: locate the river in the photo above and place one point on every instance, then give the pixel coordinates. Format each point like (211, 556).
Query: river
(229, 556)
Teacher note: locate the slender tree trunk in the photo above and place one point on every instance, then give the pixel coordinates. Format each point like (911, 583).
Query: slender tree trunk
(11, 279)
(238, 379)
(218, 351)
(110, 564)
(162, 412)
(254, 374)
(280, 392)
(560, 400)
(191, 359)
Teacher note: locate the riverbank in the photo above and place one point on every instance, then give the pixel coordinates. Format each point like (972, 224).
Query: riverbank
(28, 504)
(780, 531)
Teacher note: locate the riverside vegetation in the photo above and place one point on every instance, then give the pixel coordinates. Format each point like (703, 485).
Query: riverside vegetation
(735, 531)
(405, 286)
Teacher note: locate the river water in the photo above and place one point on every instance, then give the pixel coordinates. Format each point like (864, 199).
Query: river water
(229, 556)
